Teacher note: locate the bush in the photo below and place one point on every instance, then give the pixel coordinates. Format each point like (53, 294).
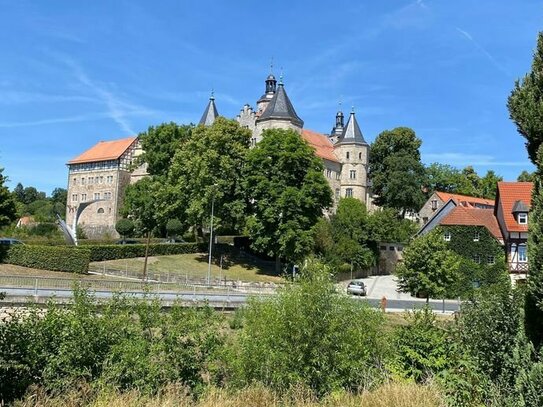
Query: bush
(56, 258)
(308, 335)
(114, 252)
(174, 227)
(125, 227)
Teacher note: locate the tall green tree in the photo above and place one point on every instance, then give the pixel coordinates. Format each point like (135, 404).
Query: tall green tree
(526, 176)
(206, 169)
(525, 106)
(160, 143)
(396, 171)
(429, 267)
(443, 178)
(288, 192)
(488, 185)
(8, 210)
(525, 103)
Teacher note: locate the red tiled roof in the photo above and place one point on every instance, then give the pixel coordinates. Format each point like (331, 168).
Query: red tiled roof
(445, 196)
(104, 151)
(461, 215)
(509, 193)
(321, 143)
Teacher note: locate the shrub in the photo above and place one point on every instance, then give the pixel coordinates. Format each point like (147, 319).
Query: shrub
(125, 227)
(308, 335)
(114, 252)
(56, 258)
(174, 227)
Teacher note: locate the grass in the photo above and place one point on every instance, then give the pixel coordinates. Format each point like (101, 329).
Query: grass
(388, 395)
(12, 270)
(195, 266)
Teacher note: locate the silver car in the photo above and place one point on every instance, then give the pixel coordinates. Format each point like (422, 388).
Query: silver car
(356, 287)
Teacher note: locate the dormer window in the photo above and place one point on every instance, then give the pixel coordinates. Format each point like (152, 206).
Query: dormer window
(434, 204)
(522, 218)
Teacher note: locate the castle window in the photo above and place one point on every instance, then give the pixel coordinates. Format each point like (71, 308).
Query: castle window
(91, 180)
(83, 180)
(337, 194)
(352, 174)
(349, 193)
(329, 173)
(83, 197)
(109, 179)
(347, 155)
(359, 156)
(338, 176)
(107, 195)
(522, 218)
(253, 141)
(96, 179)
(75, 181)
(97, 195)
(101, 180)
(74, 197)
(434, 204)
(100, 210)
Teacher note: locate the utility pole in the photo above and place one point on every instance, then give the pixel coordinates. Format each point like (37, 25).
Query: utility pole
(211, 235)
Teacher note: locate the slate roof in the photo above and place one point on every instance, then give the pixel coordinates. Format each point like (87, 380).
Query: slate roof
(210, 114)
(104, 151)
(321, 143)
(351, 132)
(520, 206)
(508, 193)
(466, 216)
(464, 199)
(280, 107)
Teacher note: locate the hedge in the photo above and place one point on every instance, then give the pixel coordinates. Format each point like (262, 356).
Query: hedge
(126, 251)
(56, 258)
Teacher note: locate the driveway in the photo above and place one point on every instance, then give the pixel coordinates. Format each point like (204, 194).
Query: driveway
(383, 286)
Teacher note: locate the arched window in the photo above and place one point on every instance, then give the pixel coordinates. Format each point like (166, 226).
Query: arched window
(100, 210)
(359, 156)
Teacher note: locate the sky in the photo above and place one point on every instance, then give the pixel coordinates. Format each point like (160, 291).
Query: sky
(73, 73)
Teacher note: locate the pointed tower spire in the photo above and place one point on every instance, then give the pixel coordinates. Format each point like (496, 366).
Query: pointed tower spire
(337, 130)
(351, 133)
(280, 108)
(211, 113)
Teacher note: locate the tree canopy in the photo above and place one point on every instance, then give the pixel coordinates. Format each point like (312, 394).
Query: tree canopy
(287, 192)
(8, 209)
(525, 103)
(396, 170)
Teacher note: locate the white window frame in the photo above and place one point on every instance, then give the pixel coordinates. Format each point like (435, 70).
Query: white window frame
(476, 236)
(523, 218)
(348, 193)
(447, 236)
(352, 174)
(524, 258)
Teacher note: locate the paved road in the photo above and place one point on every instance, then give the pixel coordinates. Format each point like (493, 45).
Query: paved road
(230, 299)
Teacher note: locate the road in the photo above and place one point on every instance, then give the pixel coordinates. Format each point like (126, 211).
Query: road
(215, 299)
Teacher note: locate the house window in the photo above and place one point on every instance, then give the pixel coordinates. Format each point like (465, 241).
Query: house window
(347, 155)
(447, 236)
(382, 247)
(434, 204)
(352, 174)
(476, 236)
(349, 193)
(74, 197)
(337, 194)
(491, 260)
(83, 197)
(522, 218)
(97, 195)
(522, 257)
(100, 210)
(477, 259)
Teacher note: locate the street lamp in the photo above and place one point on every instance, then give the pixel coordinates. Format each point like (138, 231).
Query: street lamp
(211, 234)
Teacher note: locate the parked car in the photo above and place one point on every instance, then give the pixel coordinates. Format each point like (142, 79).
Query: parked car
(356, 287)
(9, 241)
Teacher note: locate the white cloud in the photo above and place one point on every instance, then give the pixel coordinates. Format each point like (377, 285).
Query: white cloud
(462, 159)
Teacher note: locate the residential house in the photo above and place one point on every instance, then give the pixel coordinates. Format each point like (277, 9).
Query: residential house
(438, 199)
(513, 203)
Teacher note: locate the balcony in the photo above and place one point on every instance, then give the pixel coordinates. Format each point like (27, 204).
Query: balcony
(518, 267)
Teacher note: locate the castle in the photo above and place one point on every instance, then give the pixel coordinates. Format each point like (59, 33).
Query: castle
(98, 177)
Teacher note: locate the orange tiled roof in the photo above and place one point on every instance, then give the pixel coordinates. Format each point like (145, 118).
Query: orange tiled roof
(445, 196)
(508, 194)
(104, 150)
(321, 143)
(461, 215)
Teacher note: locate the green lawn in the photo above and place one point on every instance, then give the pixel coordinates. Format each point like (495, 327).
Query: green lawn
(196, 266)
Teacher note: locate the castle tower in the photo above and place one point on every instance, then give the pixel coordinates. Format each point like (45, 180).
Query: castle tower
(211, 113)
(352, 151)
(271, 87)
(337, 130)
(279, 114)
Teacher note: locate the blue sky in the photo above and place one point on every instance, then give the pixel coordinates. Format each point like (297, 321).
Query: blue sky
(73, 73)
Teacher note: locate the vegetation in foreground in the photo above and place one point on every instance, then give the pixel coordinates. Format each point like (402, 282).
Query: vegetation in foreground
(308, 345)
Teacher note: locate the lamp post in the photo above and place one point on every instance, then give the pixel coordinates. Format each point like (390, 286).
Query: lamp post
(211, 235)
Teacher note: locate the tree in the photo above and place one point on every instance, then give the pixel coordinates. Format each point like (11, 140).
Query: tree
(31, 194)
(174, 227)
(443, 178)
(396, 171)
(386, 227)
(208, 167)
(488, 184)
(19, 192)
(288, 192)
(526, 176)
(160, 144)
(8, 210)
(525, 103)
(140, 203)
(124, 227)
(429, 267)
